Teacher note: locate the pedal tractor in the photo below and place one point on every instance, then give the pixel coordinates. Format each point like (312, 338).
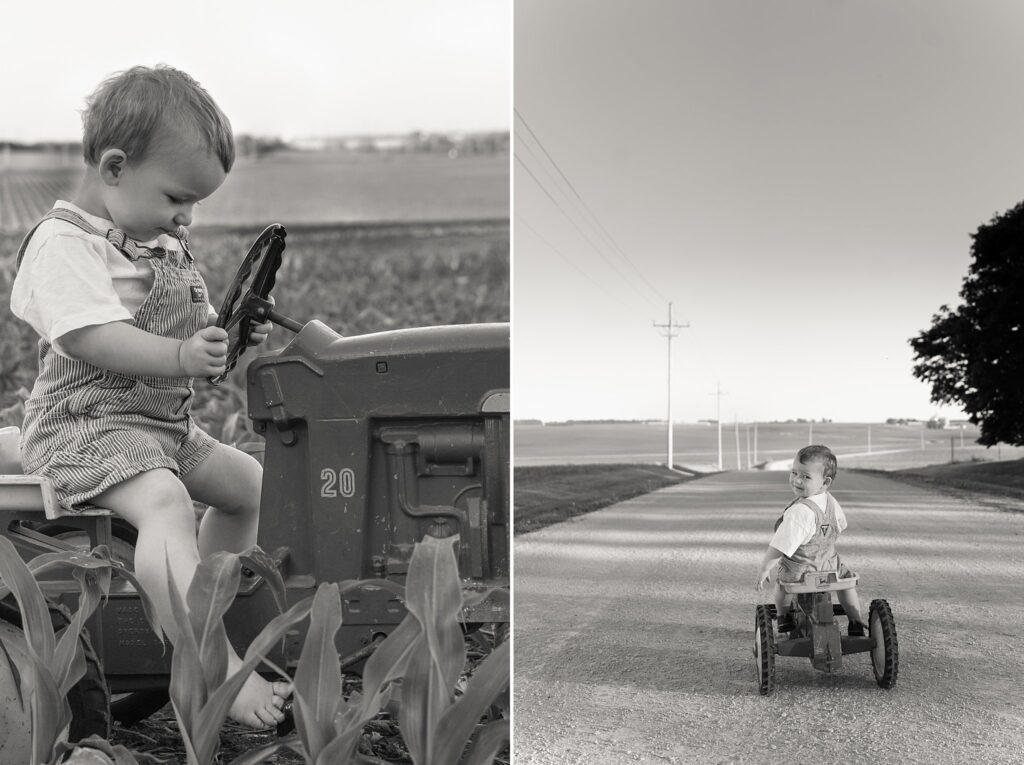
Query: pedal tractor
(816, 634)
(371, 443)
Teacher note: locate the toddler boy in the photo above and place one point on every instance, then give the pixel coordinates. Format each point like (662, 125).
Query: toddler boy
(109, 283)
(805, 536)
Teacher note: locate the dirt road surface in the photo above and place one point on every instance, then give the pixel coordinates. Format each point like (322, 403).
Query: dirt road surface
(634, 630)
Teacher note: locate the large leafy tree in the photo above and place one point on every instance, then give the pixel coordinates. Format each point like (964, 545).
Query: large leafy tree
(973, 356)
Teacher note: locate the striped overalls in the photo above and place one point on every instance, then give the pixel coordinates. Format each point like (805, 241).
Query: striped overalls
(88, 429)
(819, 554)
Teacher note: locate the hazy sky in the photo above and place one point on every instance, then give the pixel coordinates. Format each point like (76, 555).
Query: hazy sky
(801, 178)
(295, 68)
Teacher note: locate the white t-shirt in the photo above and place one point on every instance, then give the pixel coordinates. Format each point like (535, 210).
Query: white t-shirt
(799, 525)
(69, 279)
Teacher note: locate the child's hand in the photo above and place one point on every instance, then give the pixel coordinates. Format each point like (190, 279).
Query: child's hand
(762, 580)
(205, 354)
(260, 331)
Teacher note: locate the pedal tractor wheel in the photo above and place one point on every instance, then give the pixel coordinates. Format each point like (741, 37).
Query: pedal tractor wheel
(88, 698)
(764, 650)
(885, 656)
(131, 707)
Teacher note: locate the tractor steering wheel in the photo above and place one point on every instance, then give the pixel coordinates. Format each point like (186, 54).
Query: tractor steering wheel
(261, 263)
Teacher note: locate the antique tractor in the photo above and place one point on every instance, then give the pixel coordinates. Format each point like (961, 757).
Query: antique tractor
(371, 443)
(816, 634)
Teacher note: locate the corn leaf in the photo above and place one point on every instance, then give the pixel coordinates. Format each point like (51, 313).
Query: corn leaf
(35, 615)
(187, 688)
(340, 751)
(100, 562)
(216, 708)
(434, 598)
(265, 566)
(264, 753)
(51, 714)
(11, 645)
(116, 752)
(318, 675)
(424, 698)
(487, 742)
(386, 664)
(69, 659)
(458, 722)
(389, 660)
(211, 593)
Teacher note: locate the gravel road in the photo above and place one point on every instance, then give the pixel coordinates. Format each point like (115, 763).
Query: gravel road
(634, 629)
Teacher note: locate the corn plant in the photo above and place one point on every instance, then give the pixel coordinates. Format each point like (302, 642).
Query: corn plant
(426, 651)
(85, 752)
(50, 666)
(435, 724)
(200, 690)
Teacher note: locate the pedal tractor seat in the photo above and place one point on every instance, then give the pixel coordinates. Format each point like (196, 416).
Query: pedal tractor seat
(29, 493)
(820, 581)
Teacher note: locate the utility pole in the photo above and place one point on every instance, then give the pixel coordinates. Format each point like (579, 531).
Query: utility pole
(736, 426)
(669, 330)
(718, 420)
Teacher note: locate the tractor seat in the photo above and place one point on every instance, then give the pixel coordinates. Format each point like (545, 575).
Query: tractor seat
(820, 581)
(28, 493)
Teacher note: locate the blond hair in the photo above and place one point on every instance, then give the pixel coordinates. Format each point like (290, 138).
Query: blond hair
(129, 107)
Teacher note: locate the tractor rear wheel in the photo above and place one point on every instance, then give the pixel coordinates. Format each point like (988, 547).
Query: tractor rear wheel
(88, 698)
(885, 655)
(764, 650)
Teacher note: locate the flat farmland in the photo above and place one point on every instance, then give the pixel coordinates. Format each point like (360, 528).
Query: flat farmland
(880, 446)
(297, 188)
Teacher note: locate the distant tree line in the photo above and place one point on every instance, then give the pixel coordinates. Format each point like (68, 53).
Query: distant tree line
(451, 144)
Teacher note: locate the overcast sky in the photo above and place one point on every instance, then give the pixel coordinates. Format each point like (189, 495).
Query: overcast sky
(292, 69)
(801, 178)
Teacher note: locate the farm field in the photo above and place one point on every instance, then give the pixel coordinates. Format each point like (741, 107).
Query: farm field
(356, 279)
(298, 188)
(891, 446)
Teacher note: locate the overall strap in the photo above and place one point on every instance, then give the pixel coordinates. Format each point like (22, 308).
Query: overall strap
(128, 247)
(812, 506)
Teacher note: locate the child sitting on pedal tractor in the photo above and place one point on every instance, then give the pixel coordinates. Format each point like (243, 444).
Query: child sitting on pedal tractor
(805, 536)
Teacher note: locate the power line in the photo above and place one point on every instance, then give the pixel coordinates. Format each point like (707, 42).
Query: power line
(582, 232)
(557, 252)
(586, 206)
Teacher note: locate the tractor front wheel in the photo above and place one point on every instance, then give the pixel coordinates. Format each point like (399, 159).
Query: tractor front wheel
(885, 655)
(764, 650)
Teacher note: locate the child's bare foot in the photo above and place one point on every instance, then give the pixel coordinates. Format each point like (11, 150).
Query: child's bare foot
(259, 703)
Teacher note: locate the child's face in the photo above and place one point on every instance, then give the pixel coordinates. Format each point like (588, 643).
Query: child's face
(807, 478)
(156, 194)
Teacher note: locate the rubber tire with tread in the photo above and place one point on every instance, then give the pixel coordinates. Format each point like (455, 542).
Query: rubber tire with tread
(885, 657)
(88, 698)
(764, 650)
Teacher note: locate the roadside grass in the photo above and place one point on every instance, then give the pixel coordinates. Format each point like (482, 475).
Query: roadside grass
(548, 494)
(1001, 479)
